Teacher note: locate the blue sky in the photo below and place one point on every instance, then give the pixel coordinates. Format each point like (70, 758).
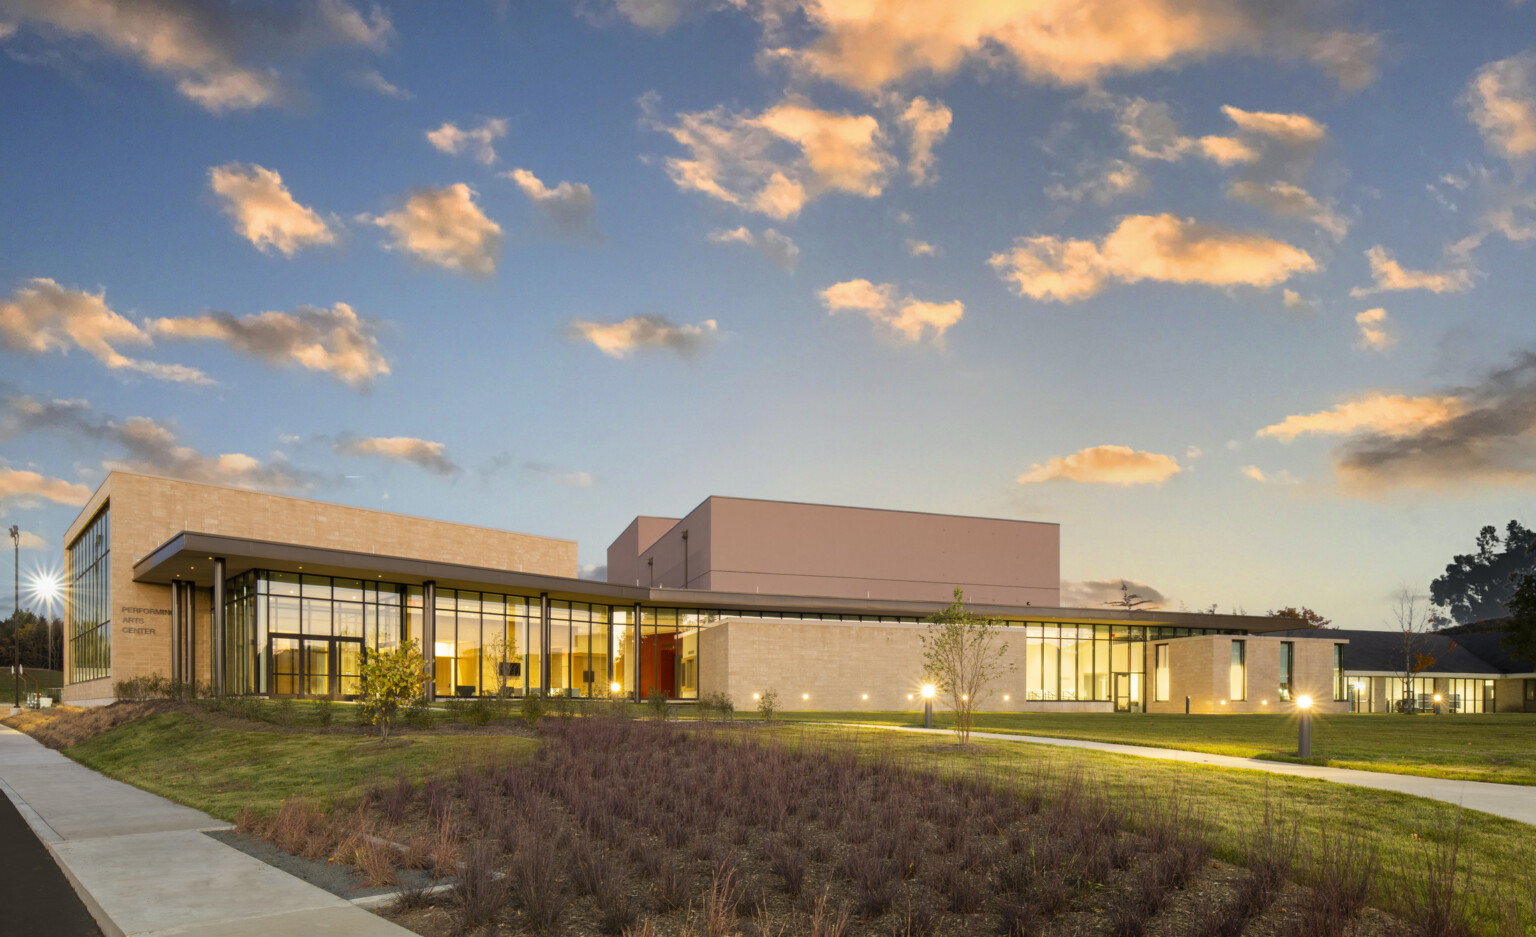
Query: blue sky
(1241, 300)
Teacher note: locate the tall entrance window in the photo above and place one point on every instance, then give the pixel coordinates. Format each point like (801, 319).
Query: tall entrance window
(1287, 668)
(1239, 673)
(1160, 672)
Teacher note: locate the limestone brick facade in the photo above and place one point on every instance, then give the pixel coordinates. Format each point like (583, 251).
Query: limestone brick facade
(1201, 668)
(146, 511)
(844, 667)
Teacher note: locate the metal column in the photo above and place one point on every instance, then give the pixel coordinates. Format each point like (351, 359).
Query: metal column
(429, 636)
(638, 632)
(175, 632)
(544, 633)
(216, 619)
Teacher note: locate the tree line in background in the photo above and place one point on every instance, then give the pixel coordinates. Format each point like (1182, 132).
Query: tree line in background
(41, 641)
(1497, 580)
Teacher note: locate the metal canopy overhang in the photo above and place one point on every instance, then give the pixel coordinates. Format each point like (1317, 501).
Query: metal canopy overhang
(188, 557)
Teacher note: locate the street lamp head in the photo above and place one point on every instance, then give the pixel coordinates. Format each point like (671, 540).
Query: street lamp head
(1304, 702)
(1437, 697)
(929, 691)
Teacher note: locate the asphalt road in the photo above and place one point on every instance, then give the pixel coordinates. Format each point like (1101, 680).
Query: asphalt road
(35, 897)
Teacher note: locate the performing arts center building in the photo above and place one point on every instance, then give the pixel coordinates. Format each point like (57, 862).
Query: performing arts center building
(254, 593)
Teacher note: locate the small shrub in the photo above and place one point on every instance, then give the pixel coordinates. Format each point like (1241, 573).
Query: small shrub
(418, 714)
(324, 711)
(413, 894)
(563, 705)
(671, 886)
(788, 864)
(531, 710)
(282, 712)
(657, 704)
(1344, 869)
(1430, 895)
(767, 704)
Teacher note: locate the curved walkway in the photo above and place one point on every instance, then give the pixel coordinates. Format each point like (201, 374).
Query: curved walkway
(1513, 801)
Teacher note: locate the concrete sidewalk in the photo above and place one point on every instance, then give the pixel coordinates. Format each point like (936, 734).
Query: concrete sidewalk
(1514, 801)
(142, 865)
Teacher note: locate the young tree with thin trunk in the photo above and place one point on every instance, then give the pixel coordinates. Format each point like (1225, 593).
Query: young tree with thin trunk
(1412, 619)
(963, 655)
(391, 681)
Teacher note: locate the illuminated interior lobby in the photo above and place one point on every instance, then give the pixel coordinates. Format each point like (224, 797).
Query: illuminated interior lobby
(254, 593)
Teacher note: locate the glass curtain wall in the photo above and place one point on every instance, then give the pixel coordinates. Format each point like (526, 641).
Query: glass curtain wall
(87, 583)
(294, 634)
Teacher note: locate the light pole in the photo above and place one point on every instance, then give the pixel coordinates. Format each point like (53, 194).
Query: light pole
(928, 693)
(1304, 738)
(16, 614)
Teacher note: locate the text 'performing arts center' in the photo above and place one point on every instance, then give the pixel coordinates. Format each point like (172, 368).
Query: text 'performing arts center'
(254, 593)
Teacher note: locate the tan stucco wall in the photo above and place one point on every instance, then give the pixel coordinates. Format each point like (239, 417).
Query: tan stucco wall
(788, 548)
(836, 664)
(1201, 668)
(146, 511)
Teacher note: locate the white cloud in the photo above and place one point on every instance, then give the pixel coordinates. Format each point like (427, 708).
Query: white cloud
(335, 341)
(1281, 477)
(264, 212)
(1289, 201)
(779, 248)
(1105, 465)
(207, 47)
(1294, 300)
(927, 123)
(1501, 102)
(910, 319)
(43, 316)
(421, 452)
(1373, 325)
(621, 339)
(1389, 276)
(872, 44)
(371, 79)
(445, 227)
(1294, 130)
(1162, 248)
(920, 248)
(569, 206)
(777, 161)
(1101, 184)
(480, 141)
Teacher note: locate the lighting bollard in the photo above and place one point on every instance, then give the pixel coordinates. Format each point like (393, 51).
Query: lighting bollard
(928, 692)
(1304, 737)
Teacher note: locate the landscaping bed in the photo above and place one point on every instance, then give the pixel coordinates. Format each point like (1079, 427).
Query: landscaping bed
(621, 827)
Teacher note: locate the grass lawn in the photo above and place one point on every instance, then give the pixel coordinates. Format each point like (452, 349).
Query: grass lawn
(47, 679)
(1494, 852)
(220, 770)
(1476, 748)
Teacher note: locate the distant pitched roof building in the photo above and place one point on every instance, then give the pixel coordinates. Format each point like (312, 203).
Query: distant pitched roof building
(1454, 654)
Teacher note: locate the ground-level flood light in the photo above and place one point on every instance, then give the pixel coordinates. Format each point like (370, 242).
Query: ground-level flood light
(866, 697)
(615, 688)
(1437, 697)
(1304, 733)
(1006, 697)
(805, 696)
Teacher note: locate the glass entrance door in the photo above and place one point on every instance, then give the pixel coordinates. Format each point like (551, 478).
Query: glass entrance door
(1123, 693)
(316, 667)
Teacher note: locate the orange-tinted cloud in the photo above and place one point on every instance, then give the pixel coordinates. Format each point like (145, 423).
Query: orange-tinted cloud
(910, 319)
(25, 486)
(335, 341)
(621, 339)
(1501, 101)
(264, 212)
(1394, 415)
(43, 316)
(1389, 276)
(1373, 330)
(446, 228)
(1105, 465)
(429, 455)
(872, 44)
(777, 161)
(1163, 248)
